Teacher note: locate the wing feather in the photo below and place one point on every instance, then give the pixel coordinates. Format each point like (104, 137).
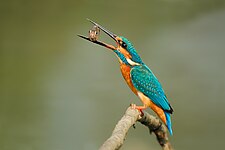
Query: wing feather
(145, 81)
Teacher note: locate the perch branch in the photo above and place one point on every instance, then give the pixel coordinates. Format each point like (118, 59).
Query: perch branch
(115, 141)
(158, 128)
(121, 129)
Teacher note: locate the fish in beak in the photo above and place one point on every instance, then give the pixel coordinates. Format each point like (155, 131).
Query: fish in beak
(93, 33)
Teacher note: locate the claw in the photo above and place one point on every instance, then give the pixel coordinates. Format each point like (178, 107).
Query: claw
(139, 108)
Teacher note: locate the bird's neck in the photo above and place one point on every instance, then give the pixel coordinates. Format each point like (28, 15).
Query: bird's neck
(122, 58)
(132, 60)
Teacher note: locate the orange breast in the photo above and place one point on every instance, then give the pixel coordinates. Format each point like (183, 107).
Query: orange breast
(125, 69)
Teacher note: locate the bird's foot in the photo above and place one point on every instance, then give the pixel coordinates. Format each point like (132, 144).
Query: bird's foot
(139, 108)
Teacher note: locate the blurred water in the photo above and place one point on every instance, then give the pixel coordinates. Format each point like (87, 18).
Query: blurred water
(61, 92)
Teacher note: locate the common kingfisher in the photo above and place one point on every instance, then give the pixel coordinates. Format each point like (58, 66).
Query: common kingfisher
(138, 76)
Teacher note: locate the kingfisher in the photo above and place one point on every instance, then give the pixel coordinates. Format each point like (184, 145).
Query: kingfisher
(138, 76)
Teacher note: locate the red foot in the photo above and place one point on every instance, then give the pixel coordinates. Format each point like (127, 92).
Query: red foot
(139, 108)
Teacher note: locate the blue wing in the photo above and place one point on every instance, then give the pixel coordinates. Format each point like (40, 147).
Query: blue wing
(146, 82)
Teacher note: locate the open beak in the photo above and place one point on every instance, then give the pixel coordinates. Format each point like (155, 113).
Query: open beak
(113, 36)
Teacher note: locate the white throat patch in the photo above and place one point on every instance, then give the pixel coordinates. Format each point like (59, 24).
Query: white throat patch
(132, 63)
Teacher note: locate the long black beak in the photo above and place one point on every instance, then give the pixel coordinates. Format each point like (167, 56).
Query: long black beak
(112, 35)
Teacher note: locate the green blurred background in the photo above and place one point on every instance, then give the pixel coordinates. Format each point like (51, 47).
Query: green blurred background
(59, 92)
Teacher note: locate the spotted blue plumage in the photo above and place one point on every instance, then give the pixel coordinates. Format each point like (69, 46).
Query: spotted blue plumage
(145, 81)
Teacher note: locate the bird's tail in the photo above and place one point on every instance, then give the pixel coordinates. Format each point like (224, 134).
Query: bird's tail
(168, 122)
(163, 115)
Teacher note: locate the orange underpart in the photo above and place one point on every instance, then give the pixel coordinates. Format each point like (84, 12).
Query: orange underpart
(125, 69)
(148, 102)
(159, 112)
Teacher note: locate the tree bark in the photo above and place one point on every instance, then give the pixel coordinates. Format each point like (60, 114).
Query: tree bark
(131, 116)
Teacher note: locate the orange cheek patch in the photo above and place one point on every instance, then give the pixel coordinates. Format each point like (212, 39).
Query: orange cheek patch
(125, 52)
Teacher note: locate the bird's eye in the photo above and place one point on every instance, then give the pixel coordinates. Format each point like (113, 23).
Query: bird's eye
(124, 45)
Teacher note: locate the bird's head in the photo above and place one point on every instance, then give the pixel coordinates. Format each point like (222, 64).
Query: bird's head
(123, 49)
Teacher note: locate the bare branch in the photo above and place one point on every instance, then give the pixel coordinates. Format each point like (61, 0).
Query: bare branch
(121, 129)
(158, 128)
(130, 117)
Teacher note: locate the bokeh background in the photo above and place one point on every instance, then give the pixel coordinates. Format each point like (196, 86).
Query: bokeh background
(59, 92)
